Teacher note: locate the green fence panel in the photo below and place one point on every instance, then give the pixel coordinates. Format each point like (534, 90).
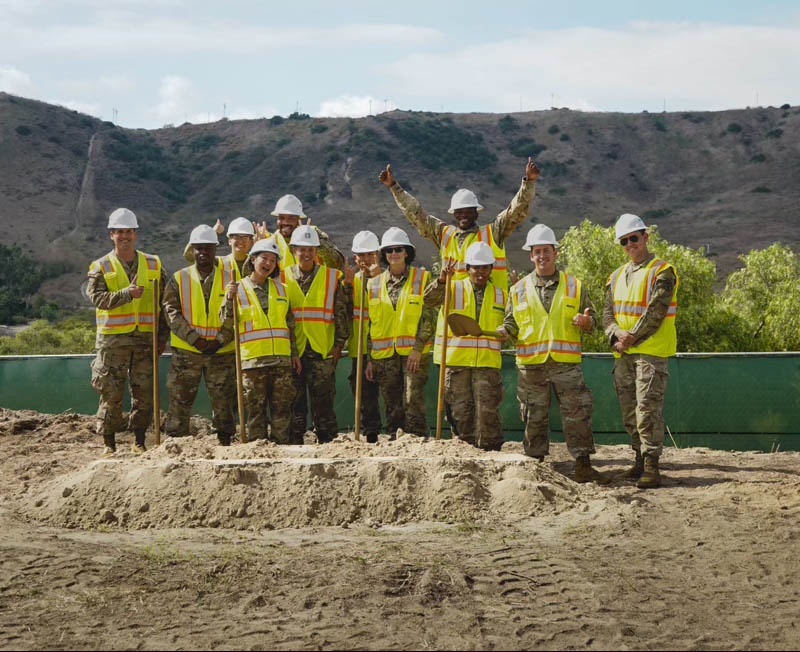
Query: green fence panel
(725, 401)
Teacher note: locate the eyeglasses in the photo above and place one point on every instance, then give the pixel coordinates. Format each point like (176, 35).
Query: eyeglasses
(394, 250)
(633, 238)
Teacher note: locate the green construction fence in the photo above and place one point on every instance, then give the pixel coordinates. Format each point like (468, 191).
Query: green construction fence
(742, 401)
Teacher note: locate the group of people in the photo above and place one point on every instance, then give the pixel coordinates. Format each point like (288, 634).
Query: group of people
(289, 304)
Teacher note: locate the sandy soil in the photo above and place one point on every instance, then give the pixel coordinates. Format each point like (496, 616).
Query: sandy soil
(412, 544)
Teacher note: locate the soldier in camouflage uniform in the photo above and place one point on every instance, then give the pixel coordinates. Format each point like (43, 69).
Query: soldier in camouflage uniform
(201, 345)
(547, 311)
(268, 344)
(121, 288)
(322, 327)
(639, 320)
(473, 384)
(453, 240)
(401, 333)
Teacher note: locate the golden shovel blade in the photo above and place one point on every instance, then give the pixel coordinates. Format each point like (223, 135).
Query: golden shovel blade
(462, 325)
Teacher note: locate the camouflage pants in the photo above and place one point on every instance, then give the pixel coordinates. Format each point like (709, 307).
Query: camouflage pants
(370, 409)
(534, 386)
(473, 397)
(317, 381)
(641, 383)
(272, 387)
(395, 382)
(183, 381)
(110, 368)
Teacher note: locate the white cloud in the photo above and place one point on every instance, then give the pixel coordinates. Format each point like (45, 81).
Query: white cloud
(177, 98)
(352, 106)
(16, 82)
(691, 66)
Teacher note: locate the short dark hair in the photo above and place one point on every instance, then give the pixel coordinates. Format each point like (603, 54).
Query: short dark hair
(411, 254)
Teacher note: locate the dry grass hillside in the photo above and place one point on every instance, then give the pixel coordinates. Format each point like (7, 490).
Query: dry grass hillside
(725, 179)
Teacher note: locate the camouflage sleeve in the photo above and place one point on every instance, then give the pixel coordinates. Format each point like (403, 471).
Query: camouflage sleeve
(656, 311)
(171, 308)
(428, 226)
(509, 323)
(586, 302)
(516, 213)
(342, 319)
(434, 294)
(427, 324)
(329, 253)
(610, 325)
(292, 333)
(163, 326)
(100, 295)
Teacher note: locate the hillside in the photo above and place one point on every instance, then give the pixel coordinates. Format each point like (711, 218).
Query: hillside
(727, 180)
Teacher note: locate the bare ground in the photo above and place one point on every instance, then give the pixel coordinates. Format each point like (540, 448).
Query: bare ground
(412, 544)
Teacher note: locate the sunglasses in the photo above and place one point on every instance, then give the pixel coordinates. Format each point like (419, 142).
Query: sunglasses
(394, 250)
(633, 239)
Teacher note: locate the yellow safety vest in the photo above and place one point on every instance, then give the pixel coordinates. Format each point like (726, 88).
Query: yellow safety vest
(451, 250)
(630, 303)
(263, 334)
(138, 314)
(205, 320)
(352, 343)
(314, 312)
(287, 257)
(542, 334)
(471, 351)
(394, 329)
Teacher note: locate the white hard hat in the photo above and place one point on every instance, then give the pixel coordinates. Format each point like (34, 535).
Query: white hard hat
(265, 245)
(241, 226)
(395, 237)
(629, 223)
(203, 234)
(479, 253)
(288, 205)
(122, 218)
(540, 235)
(464, 198)
(304, 236)
(365, 242)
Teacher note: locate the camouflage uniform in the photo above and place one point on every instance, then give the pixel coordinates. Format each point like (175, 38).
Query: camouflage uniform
(431, 227)
(536, 382)
(188, 368)
(268, 381)
(318, 377)
(473, 395)
(393, 379)
(119, 356)
(641, 380)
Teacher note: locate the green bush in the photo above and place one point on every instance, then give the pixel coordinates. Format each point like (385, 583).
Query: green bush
(775, 133)
(526, 147)
(507, 124)
(23, 130)
(44, 338)
(553, 129)
(734, 127)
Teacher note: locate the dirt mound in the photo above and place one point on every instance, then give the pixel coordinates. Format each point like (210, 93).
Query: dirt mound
(191, 482)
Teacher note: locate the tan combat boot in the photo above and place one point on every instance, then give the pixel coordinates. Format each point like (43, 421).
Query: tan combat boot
(635, 472)
(651, 478)
(585, 473)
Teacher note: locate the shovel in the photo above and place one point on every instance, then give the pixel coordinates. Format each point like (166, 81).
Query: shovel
(462, 325)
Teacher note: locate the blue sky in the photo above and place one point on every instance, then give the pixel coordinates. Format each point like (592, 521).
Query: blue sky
(146, 63)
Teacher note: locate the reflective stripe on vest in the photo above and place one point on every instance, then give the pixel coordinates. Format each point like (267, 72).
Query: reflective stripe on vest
(204, 319)
(471, 351)
(138, 314)
(544, 335)
(358, 311)
(394, 329)
(630, 303)
(260, 334)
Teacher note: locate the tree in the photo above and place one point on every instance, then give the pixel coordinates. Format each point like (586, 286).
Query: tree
(765, 294)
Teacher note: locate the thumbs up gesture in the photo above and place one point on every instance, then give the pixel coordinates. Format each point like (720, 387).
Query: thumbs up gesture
(583, 321)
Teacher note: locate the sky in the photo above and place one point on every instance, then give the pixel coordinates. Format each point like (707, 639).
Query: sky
(149, 63)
